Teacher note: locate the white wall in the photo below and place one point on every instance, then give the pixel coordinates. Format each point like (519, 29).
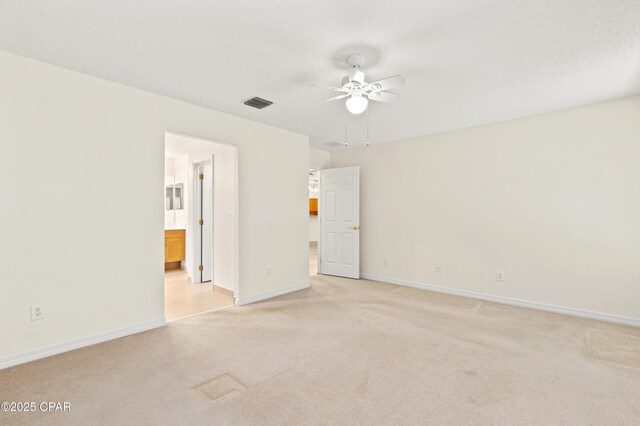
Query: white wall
(170, 166)
(182, 177)
(313, 228)
(552, 200)
(60, 134)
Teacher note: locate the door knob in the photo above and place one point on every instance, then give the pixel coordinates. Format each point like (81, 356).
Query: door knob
(355, 228)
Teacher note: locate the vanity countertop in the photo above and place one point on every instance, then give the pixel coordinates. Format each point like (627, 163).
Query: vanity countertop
(174, 227)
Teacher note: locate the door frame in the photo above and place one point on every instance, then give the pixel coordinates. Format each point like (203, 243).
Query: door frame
(194, 216)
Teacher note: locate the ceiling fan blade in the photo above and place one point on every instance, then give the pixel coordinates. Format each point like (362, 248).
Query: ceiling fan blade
(334, 89)
(386, 97)
(387, 83)
(335, 98)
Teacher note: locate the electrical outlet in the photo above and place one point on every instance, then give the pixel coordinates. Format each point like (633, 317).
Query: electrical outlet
(36, 312)
(438, 269)
(268, 271)
(385, 261)
(499, 276)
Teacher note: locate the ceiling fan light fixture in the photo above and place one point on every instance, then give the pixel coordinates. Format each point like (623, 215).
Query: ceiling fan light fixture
(356, 104)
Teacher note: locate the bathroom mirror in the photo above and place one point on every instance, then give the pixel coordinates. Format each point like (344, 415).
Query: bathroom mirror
(177, 196)
(173, 194)
(169, 181)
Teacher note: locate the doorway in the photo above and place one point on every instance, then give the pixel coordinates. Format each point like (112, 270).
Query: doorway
(200, 227)
(313, 222)
(339, 222)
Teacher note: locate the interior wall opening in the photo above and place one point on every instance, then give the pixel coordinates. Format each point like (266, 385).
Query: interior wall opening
(200, 226)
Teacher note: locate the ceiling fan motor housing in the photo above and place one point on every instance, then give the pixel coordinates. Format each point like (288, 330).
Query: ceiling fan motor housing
(355, 76)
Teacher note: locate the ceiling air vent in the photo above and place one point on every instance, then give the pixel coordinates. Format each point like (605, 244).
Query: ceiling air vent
(257, 102)
(333, 144)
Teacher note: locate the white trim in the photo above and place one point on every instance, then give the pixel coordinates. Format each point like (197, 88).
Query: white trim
(635, 322)
(236, 223)
(12, 360)
(270, 294)
(200, 313)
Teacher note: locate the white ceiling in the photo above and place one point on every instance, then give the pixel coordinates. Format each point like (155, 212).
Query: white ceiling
(466, 62)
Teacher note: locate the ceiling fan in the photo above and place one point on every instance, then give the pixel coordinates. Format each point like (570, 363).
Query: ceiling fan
(359, 92)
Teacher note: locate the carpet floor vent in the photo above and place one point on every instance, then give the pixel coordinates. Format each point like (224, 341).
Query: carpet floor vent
(219, 387)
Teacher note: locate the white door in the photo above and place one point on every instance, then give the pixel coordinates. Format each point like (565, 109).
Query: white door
(204, 224)
(339, 220)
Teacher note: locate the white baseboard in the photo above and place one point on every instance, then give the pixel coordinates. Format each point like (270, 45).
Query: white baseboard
(269, 295)
(12, 360)
(635, 322)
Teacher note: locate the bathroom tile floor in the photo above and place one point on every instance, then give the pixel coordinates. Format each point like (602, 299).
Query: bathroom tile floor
(183, 298)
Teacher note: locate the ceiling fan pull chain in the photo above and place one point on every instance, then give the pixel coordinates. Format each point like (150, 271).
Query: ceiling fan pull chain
(346, 144)
(368, 143)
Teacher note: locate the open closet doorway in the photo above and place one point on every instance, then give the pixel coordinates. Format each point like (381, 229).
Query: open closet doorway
(313, 222)
(201, 250)
(318, 160)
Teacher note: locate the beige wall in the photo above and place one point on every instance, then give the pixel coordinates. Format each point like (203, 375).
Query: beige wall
(319, 159)
(552, 200)
(85, 239)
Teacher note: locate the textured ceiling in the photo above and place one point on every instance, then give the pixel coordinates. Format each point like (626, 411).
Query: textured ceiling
(466, 62)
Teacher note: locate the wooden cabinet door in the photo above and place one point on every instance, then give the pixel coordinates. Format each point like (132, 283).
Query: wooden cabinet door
(174, 246)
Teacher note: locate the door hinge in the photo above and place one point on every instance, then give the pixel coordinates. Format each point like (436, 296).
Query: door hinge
(200, 268)
(201, 222)
(201, 176)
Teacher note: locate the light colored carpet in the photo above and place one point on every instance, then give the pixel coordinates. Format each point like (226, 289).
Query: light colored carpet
(313, 258)
(347, 352)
